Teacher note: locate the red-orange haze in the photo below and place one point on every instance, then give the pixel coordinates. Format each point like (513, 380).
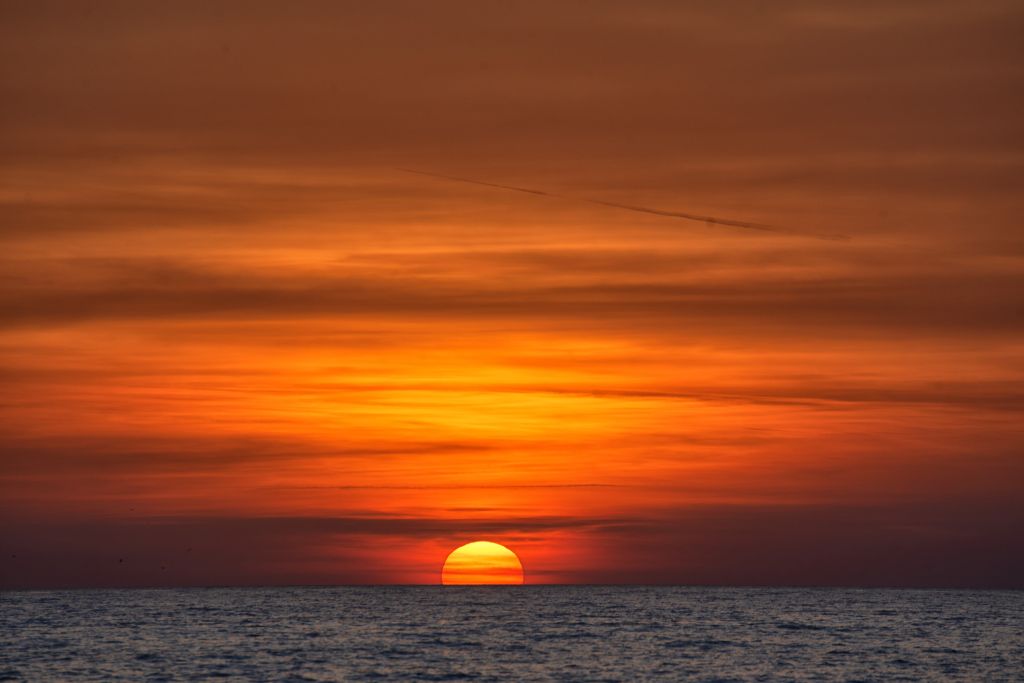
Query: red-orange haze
(239, 347)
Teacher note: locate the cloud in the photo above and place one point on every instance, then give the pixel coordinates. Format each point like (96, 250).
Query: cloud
(263, 550)
(707, 220)
(981, 299)
(462, 487)
(125, 457)
(319, 84)
(948, 543)
(993, 395)
(955, 543)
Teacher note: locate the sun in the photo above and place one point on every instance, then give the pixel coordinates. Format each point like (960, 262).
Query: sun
(482, 562)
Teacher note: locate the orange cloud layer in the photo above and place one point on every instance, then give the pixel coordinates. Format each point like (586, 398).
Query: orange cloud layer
(237, 347)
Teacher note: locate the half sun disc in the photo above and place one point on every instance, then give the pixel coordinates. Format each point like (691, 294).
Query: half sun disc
(481, 563)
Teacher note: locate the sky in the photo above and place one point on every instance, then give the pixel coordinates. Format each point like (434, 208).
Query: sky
(239, 346)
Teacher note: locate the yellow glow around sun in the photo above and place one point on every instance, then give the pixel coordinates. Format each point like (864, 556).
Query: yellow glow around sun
(481, 562)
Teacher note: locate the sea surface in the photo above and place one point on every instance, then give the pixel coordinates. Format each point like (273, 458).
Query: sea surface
(522, 633)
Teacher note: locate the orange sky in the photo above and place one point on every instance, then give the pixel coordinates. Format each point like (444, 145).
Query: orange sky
(237, 346)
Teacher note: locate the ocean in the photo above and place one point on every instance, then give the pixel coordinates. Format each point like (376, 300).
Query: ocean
(520, 633)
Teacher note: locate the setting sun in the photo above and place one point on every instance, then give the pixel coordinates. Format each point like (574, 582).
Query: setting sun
(481, 562)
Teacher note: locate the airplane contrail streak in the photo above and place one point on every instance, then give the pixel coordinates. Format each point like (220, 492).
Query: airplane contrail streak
(707, 220)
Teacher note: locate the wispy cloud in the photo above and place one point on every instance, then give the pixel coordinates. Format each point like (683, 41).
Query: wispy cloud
(712, 221)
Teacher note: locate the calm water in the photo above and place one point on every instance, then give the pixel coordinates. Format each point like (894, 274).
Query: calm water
(517, 633)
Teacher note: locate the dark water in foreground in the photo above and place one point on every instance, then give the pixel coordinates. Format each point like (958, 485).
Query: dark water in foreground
(518, 633)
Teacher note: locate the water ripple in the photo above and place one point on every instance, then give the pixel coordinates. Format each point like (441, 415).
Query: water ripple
(512, 633)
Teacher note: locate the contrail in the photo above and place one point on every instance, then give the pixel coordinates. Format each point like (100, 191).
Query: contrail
(707, 220)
